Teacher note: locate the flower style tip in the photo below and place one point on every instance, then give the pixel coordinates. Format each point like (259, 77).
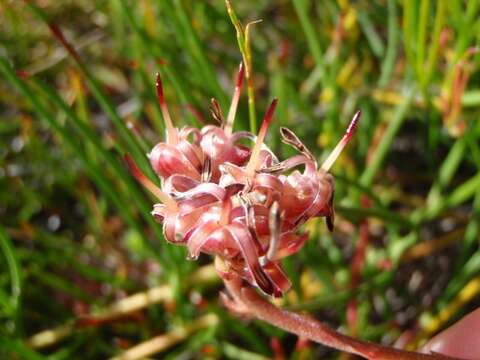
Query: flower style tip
(353, 124)
(171, 131)
(343, 142)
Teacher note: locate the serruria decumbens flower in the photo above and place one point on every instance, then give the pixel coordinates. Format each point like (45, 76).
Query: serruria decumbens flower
(238, 203)
(245, 207)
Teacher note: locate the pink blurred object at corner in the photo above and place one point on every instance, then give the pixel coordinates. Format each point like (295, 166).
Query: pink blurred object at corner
(461, 340)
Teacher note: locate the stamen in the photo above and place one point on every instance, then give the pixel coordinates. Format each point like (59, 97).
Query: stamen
(206, 170)
(216, 111)
(274, 226)
(250, 220)
(289, 138)
(341, 145)
(171, 131)
(149, 185)
(235, 99)
(252, 163)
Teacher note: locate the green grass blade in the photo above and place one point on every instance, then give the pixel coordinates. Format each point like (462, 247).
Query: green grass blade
(388, 63)
(133, 145)
(384, 146)
(197, 51)
(88, 135)
(373, 38)
(14, 268)
(17, 347)
(302, 10)
(421, 37)
(95, 173)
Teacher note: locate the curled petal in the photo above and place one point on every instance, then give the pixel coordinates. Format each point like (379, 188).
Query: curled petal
(167, 160)
(178, 183)
(271, 186)
(192, 153)
(242, 135)
(290, 243)
(203, 189)
(298, 195)
(321, 204)
(169, 229)
(199, 237)
(187, 131)
(278, 278)
(158, 212)
(231, 174)
(244, 241)
(220, 148)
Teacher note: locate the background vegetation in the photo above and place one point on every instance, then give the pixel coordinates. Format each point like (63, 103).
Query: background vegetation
(84, 271)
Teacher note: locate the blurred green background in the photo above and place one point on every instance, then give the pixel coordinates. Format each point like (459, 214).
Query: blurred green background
(84, 271)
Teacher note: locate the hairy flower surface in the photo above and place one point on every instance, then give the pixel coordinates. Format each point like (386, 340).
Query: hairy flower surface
(238, 203)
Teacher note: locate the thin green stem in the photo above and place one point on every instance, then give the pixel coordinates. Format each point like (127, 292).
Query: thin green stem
(421, 37)
(435, 42)
(301, 8)
(14, 268)
(133, 145)
(243, 39)
(94, 172)
(90, 137)
(384, 146)
(388, 63)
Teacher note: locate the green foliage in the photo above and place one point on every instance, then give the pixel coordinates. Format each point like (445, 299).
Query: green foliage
(76, 232)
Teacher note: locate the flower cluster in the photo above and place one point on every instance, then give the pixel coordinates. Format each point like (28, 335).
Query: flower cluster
(237, 202)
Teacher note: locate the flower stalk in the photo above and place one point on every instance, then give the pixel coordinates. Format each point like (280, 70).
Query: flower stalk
(246, 301)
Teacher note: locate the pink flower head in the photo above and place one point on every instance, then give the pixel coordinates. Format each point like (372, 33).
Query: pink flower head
(240, 204)
(210, 146)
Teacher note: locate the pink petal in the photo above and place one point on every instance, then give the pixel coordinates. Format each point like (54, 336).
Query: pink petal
(199, 237)
(290, 243)
(278, 277)
(167, 160)
(245, 243)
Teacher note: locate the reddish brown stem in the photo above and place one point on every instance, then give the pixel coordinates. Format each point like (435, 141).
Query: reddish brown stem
(57, 32)
(307, 327)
